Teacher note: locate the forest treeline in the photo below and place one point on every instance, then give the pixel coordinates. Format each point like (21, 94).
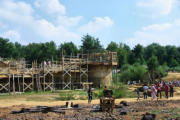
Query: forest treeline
(138, 59)
(166, 55)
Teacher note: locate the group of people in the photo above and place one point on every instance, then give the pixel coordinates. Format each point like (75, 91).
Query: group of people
(176, 83)
(90, 93)
(156, 90)
(47, 64)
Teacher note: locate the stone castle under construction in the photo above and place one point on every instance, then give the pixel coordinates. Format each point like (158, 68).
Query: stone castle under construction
(70, 72)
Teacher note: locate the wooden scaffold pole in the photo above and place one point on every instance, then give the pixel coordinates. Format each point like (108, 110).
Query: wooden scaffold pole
(9, 83)
(13, 84)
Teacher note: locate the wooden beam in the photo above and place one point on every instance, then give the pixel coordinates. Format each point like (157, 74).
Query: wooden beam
(28, 86)
(9, 83)
(23, 82)
(13, 84)
(19, 85)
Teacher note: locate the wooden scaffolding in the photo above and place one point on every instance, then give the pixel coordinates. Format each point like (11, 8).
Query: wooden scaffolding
(18, 76)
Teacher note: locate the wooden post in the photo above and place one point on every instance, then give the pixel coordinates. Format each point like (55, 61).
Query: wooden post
(53, 87)
(19, 85)
(9, 83)
(44, 82)
(116, 75)
(23, 82)
(13, 84)
(33, 82)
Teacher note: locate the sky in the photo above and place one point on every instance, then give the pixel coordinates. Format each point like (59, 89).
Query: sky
(123, 21)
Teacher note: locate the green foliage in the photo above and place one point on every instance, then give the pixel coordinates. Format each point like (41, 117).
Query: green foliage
(177, 69)
(7, 48)
(169, 55)
(173, 63)
(125, 67)
(41, 51)
(138, 51)
(91, 44)
(66, 96)
(119, 91)
(152, 63)
(68, 48)
(123, 54)
(113, 47)
(162, 71)
(132, 73)
(72, 95)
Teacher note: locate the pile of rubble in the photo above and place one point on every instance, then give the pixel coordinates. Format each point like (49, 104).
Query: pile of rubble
(46, 109)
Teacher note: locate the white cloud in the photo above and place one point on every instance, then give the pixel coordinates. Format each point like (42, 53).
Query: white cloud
(11, 34)
(48, 31)
(164, 34)
(50, 6)
(15, 11)
(21, 16)
(157, 27)
(97, 24)
(69, 21)
(11, 13)
(154, 8)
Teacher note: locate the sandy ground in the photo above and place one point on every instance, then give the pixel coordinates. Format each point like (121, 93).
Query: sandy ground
(13, 102)
(172, 76)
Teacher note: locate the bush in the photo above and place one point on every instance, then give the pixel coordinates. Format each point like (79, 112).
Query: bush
(177, 68)
(133, 73)
(120, 90)
(125, 67)
(161, 71)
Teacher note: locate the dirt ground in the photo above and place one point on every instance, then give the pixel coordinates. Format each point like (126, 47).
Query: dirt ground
(164, 110)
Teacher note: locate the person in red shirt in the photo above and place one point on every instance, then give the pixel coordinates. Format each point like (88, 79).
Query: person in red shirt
(105, 88)
(159, 87)
(166, 90)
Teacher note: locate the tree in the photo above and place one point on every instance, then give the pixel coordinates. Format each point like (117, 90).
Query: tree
(19, 51)
(68, 48)
(152, 66)
(6, 48)
(113, 47)
(172, 56)
(41, 51)
(123, 54)
(91, 44)
(138, 52)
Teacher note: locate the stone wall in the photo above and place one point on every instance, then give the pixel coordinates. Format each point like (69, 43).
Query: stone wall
(100, 75)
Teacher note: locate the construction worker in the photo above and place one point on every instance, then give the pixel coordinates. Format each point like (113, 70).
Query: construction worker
(89, 95)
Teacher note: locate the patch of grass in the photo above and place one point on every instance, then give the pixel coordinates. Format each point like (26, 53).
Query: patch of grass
(39, 99)
(156, 112)
(72, 95)
(37, 93)
(120, 90)
(175, 112)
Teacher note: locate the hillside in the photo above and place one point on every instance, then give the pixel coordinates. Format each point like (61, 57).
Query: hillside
(172, 76)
